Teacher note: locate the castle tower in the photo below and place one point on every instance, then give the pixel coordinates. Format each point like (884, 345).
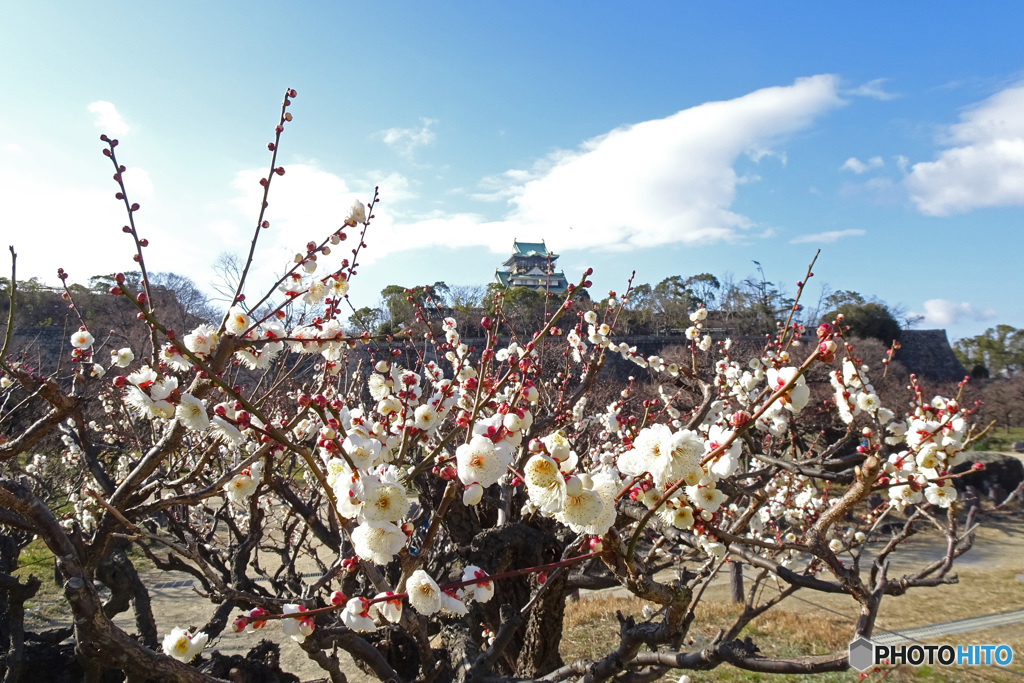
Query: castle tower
(532, 265)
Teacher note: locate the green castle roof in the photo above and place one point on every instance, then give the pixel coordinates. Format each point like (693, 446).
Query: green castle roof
(531, 248)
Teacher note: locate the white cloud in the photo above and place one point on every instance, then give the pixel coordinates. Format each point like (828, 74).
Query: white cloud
(138, 183)
(503, 186)
(984, 165)
(666, 181)
(826, 237)
(857, 166)
(405, 140)
(872, 89)
(943, 312)
(307, 203)
(660, 182)
(107, 119)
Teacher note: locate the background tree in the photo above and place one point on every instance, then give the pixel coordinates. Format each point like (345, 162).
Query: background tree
(638, 316)
(704, 289)
(523, 306)
(365, 319)
(752, 306)
(866, 319)
(1003, 401)
(1000, 350)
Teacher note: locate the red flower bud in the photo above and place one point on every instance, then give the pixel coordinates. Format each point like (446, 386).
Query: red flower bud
(739, 418)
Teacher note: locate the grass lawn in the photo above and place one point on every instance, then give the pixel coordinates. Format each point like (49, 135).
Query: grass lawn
(999, 439)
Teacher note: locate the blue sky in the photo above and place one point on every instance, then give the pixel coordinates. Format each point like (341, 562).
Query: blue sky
(669, 138)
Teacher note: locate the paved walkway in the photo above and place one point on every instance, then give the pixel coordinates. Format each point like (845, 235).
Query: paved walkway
(919, 633)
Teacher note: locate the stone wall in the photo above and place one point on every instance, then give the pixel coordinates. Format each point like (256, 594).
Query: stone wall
(927, 354)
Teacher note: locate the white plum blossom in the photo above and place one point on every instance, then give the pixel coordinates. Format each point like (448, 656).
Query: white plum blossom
(241, 487)
(226, 432)
(798, 395)
(482, 591)
(386, 502)
(726, 464)
(82, 339)
(588, 510)
(424, 594)
(378, 542)
(389, 608)
(238, 321)
(544, 483)
(605, 485)
(666, 456)
(315, 291)
(296, 627)
(941, 495)
(363, 452)
(705, 497)
(172, 357)
(426, 417)
(183, 645)
(337, 287)
(202, 340)
(191, 412)
(473, 494)
(357, 214)
(902, 495)
(122, 358)
(869, 403)
(479, 462)
(356, 615)
(451, 602)
(139, 401)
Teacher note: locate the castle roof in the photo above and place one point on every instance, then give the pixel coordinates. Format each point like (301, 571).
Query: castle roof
(531, 249)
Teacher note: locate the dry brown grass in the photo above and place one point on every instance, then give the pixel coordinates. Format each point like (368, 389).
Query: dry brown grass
(815, 623)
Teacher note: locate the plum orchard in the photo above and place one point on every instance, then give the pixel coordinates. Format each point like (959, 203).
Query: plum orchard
(450, 498)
